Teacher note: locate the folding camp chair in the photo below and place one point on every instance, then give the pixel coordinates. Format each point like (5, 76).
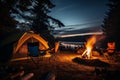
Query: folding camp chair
(33, 52)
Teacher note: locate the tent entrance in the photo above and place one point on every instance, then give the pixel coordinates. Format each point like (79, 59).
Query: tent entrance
(33, 49)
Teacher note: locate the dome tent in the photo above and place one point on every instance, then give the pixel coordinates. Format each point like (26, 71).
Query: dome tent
(27, 37)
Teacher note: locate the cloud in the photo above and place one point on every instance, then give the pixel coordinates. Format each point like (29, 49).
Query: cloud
(76, 31)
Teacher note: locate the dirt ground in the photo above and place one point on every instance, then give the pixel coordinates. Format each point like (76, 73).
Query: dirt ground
(64, 68)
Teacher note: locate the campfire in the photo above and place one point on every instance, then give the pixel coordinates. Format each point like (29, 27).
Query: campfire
(87, 57)
(87, 54)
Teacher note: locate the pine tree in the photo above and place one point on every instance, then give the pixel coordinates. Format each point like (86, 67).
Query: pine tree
(7, 24)
(35, 14)
(112, 21)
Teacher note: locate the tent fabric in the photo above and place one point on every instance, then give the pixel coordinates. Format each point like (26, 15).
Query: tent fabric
(30, 35)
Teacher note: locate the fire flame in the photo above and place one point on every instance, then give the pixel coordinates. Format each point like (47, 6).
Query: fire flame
(89, 46)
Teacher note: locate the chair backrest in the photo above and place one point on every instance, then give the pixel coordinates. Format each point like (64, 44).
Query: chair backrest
(33, 49)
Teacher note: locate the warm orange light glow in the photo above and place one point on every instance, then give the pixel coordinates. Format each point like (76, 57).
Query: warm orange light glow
(89, 46)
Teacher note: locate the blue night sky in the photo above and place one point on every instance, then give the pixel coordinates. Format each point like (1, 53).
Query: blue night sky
(79, 14)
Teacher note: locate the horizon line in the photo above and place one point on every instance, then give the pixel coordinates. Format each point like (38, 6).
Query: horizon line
(81, 34)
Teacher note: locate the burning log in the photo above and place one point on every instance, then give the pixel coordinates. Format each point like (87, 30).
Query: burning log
(85, 54)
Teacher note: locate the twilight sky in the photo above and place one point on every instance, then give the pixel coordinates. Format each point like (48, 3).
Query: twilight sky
(79, 14)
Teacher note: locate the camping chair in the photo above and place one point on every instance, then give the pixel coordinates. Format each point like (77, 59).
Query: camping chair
(33, 51)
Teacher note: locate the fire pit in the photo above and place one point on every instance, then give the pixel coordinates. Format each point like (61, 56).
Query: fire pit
(91, 62)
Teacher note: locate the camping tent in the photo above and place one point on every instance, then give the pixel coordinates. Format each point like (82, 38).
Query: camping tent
(30, 37)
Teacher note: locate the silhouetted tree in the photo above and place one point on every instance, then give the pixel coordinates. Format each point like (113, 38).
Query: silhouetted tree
(35, 14)
(7, 24)
(111, 21)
